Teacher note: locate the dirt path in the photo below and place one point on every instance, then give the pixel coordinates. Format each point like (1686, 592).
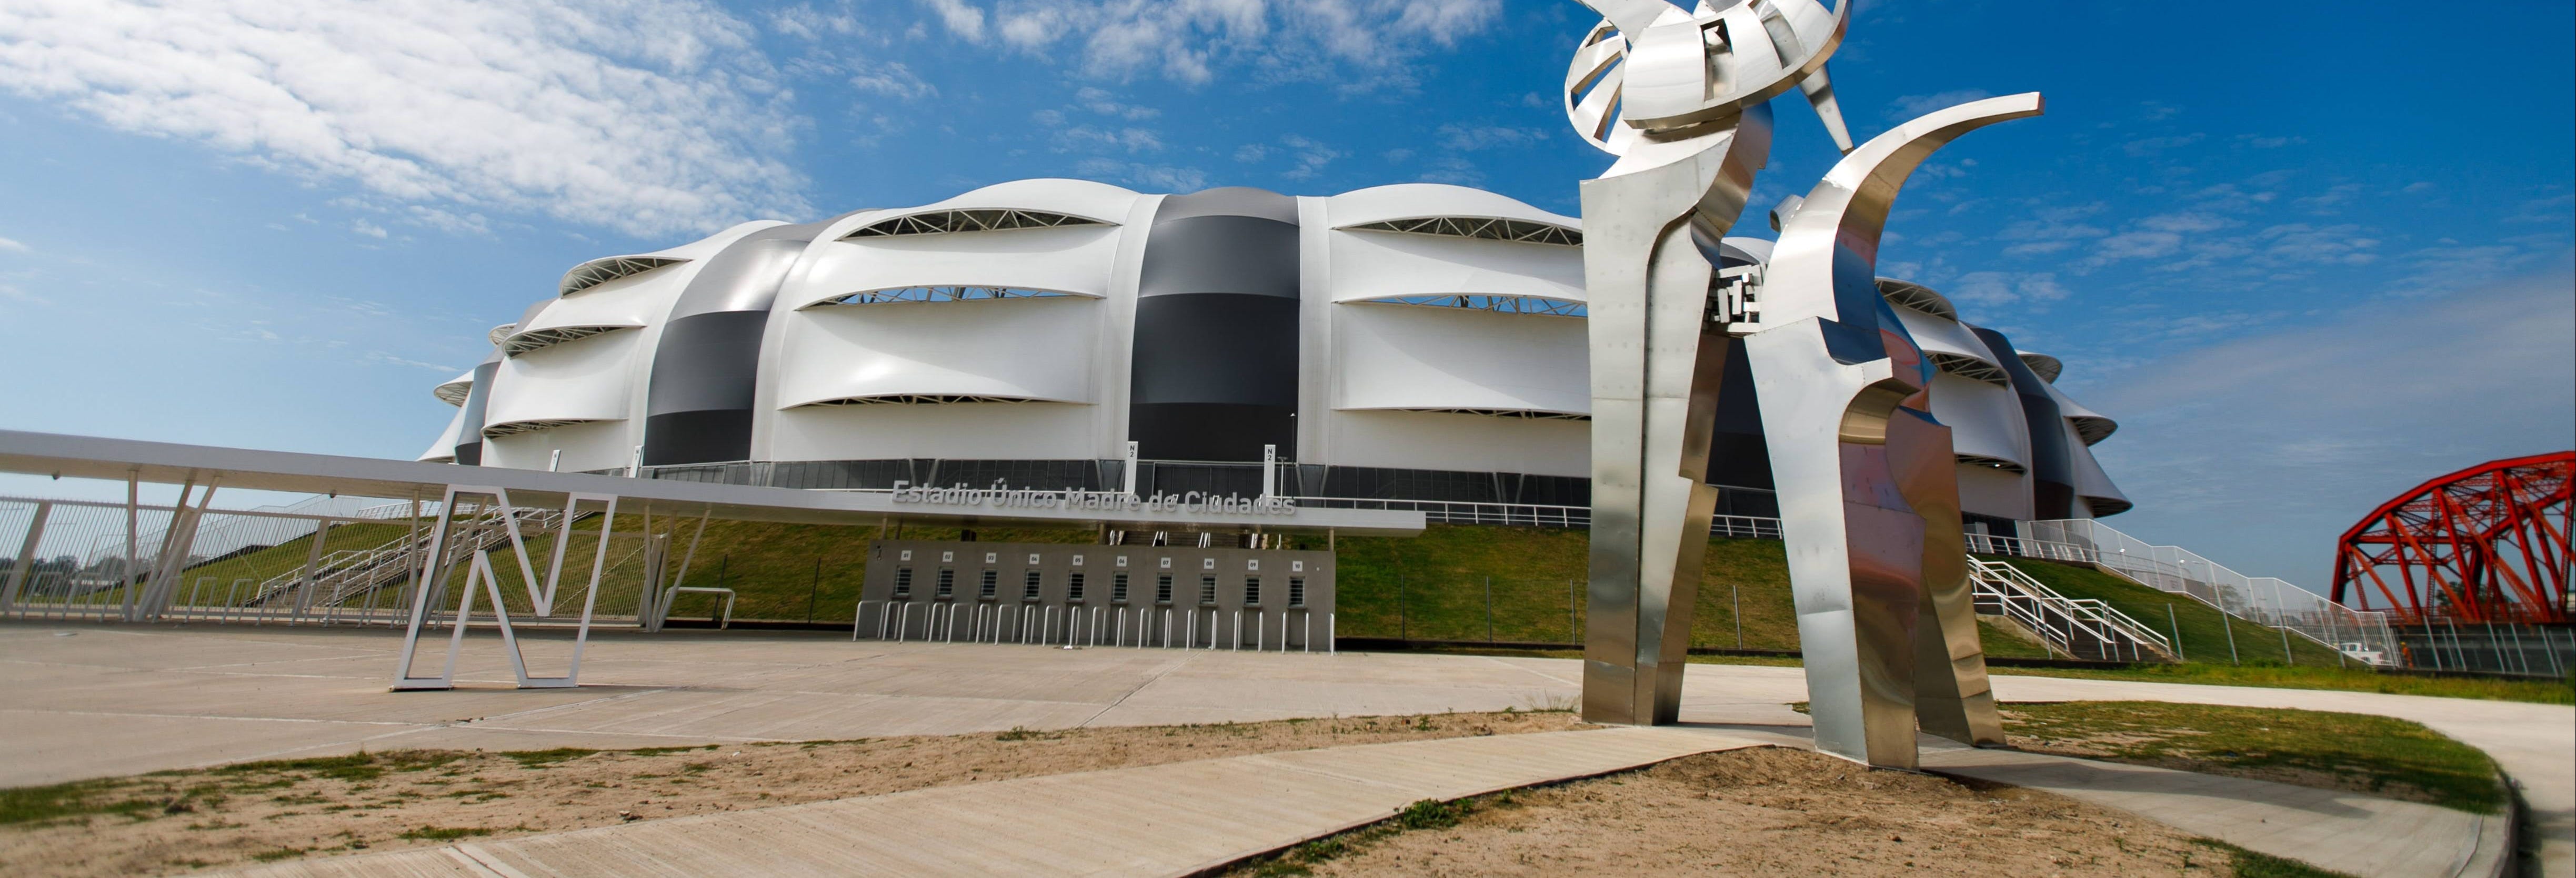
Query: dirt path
(177, 821)
(1771, 812)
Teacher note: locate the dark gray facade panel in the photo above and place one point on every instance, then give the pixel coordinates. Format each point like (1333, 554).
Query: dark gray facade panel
(1229, 201)
(2052, 464)
(698, 406)
(1211, 431)
(1213, 375)
(706, 370)
(1216, 348)
(1221, 254)
(469, 437)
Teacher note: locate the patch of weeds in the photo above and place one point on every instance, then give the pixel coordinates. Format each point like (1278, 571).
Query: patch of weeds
(695, 767)
(84, 798)
(287, 853)
(1022, 733)
(446, 833)
(660, 751)
(1430, 814)
(543, 758)
(2249, 864)
(1427, 814)
(306, 799)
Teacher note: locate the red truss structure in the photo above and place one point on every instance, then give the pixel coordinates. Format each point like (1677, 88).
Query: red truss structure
(2485, 544)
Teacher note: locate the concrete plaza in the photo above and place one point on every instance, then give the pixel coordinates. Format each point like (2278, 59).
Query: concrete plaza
(87, 700)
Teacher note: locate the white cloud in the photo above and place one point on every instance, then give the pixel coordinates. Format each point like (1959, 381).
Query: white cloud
(366, 228)
(2306, 429)
(1085, 137)
(962, 18)
(1311, 157)
(1471, 138)
(1910, 106)
(2006, 287)
(12, 246)
(1185, 41)
(892, 79)
(651, 117)
(2147, 146)
(1251, 152)
(1166, 178)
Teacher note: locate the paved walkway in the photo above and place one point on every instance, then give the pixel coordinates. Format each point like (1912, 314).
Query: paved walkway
(1172, 819)
(2345, 832)
(112, 700)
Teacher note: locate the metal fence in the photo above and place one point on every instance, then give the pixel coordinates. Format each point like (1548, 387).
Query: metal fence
(331, 561)
(2362, 635)
(2488, 648)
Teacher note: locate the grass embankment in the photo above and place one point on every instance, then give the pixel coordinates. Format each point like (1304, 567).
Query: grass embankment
(2379, 755)
(2206, 632)
(1434, 587)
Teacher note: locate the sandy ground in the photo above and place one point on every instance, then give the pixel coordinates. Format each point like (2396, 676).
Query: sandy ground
(177, 821)
(1773, 811)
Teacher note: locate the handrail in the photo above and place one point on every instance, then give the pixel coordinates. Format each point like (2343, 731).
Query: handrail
(2361, 635)
(2098, 611)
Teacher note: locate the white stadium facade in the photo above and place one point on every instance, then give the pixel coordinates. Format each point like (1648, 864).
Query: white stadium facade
(1414, 342)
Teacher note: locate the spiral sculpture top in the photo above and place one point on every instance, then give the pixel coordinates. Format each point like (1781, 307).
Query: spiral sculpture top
(1652, 69)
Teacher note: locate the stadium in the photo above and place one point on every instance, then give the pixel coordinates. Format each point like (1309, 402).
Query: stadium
(1413, 343)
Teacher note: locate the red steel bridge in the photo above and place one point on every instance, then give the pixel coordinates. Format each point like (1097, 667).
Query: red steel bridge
(2485, 544)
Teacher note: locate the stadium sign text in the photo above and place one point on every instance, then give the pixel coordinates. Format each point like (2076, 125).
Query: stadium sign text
(1104, 501)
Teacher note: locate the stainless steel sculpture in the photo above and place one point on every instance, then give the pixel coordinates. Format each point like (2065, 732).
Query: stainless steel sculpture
(1869, 498)
(1679, 97)
(1866, 478)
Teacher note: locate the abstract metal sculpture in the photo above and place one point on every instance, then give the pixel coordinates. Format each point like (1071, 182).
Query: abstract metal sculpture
(2486, 544)
(1868, 491)
(1868, 485)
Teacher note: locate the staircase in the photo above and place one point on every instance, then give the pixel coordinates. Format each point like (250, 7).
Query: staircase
(353, 573)
(2083, 628)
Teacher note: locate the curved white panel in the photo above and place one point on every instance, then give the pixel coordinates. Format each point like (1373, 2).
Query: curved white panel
(970, 431)
(1475, 443)
(453, 391)
(2092, 485)
(1039, 349)
(1082, 198)
(1076, 259)
(444, 450)
(1937, 336)
(1373, 265)
(1409, 200)
(587, 379)
(1414, 357)
(596, 445)
(1984, 420)
(1989, 491)
(2090, 426)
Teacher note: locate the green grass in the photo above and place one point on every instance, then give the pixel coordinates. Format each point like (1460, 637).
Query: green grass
(445, 833)
(2377, 754)
(2353, 679)
(165, 793)
(1433, 587)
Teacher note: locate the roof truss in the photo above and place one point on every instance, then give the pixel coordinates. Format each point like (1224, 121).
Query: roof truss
(1487, 228)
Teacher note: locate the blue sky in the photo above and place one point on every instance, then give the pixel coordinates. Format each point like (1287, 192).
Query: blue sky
(2306, 257)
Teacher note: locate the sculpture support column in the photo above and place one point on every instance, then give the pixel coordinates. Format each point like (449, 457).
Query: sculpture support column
(1657, 362)
(1869, 502)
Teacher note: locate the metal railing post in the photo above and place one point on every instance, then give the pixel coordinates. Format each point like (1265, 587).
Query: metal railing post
(26, 558)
